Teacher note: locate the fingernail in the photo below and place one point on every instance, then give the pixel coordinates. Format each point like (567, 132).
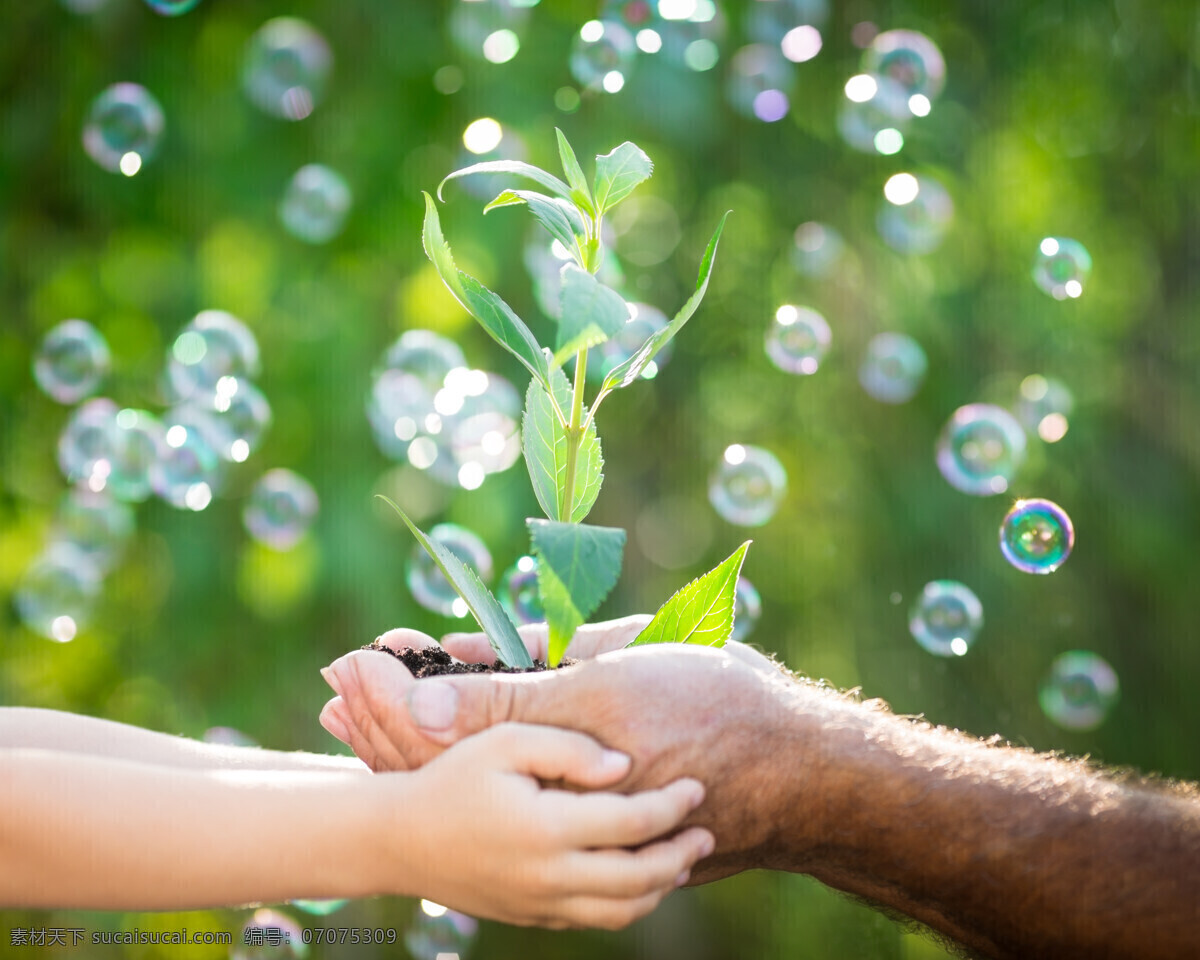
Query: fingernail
(433, 705)
(614, 760)
(333, 723)
(707, 845)
(697, 795)
(683, 878)
(331, 678)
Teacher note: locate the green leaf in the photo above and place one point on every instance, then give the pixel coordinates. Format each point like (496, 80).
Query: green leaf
(702, 612)
(623, 374)
(486, 609)
(560, 217)
(574, 173)
(618, 172)
(544, 441)
(590, 312)
(577, 566)
(493, 314)
(528, 170)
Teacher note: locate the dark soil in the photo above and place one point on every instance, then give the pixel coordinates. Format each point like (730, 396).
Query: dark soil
(434, 661)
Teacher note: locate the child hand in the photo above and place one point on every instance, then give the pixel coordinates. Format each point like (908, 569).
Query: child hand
(484, 836)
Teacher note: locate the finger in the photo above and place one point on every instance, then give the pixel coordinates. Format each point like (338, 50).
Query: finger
(593, 639)
(401, 638)
(598, 913)
(615, 820)
(549, 753)
(661, 866)
(475, 648)
(336, 719)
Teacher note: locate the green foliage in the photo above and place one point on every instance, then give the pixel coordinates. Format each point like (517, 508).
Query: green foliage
(618, 173)
(591, 312)
(561, 218)
(701, 612)
(544, 440)
(580, 195)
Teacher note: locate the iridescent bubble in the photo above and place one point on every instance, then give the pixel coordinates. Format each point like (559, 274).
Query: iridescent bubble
(602, 55)
(85, 446)
(171, 8)
(215, 344)
(425, 355)
(759, 77)
(747, 608)
(1080, 690)
(280, 510)
(893, 368)
(123, 128)
(1036, 536)
(644, 321)
(691, 32)
(873, 105)
(797, 339)
(319, 908)
(56, 594)
(71, 362)
(920, 224)
(1062, 267)
(436, 932)
(747, 486)
(136, 445)
(817, 248)
(189, 473)
(789, 24)
(518, 592)
(316, 203)
(429, 587)
(94, 524)
(474, 22)
(946, 618)
(269, 935)
(397, 408)
(239, 415)
(287, 65)
(1044, 406)
(909, 59)
(484, 432)
(980, 449)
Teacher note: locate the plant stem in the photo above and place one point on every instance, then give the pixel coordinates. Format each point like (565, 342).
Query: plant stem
(574, 436)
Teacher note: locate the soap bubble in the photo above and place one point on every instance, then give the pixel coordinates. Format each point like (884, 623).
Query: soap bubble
(871, 106)
(747, 608)
(817, 248)
(238, 415)
(316, 203)
(632, 14)
(644, 321)
(95, 524)
(397, 407)
(125, 121)
(171, 8)
(747, 486)
(691, 33)
(270, 935)
(1080, 690)
(188, 473)
(602, 55)
(437, 932)
(280, 510)
(56, 594)
(286, 68)
(135, 445)
(1044, 406)
(85, 446)
(1061, 268)
(544, 261)
(758, 80)
(215, 344)
(425, 355)
(71, 361)
(798, 339)
(484, 434)
(980, 449)
(919, 225)
(909, 59)
(1036, 536)
(946, 618)
(519, 592)
(474, 22)
(893, 368)
(429, 587)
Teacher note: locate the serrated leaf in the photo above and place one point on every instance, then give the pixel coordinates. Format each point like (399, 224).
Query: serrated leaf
(559, 217)
(486, 609)
(493, 314)
(574, 173)
(628, 371)
(618, 173)
(700, 613)
(517, 167)
(590, 312)
(544, 442)
(577, 567)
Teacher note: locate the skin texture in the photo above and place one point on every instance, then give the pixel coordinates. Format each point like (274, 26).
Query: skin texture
(1010, 853)
(151, 822)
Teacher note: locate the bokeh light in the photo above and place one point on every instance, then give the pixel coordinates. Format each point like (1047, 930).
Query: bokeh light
(893, 368)
(280, 509)
(797, 339)
(286, 68)
(315, 205)
(1062, 267)
(72, 361)
(1079, 691)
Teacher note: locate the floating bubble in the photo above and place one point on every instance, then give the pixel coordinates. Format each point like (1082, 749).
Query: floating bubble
(270, 935)
(644, 321)
(188, 473)
(56, 594)
(428, 586)
(125, 120)
(747, 486)
(95, 524)
(280, 510)
(439, 933)
(315, 205)
(893, 368)
(71, 362)
(919, 224)
(817, 247)
(946, 618)
(691, 33)
(171, 8)
(759, 77)
(872, 105)
(798, 339)
(135, 445)
(1080, 690)
(476, 22)
(633, 15)
(85, 446)
(484, 434)
(1044, 406)
(238, 415)
(1062, 267)
(747, 608)
(980, 449)
(544, 261)
(286, 67)
(397, 407)
(909, 59)
(518, 592)
(425, 355)
(319, 908)
(1036, 536)
(601, 52)
(215, 344)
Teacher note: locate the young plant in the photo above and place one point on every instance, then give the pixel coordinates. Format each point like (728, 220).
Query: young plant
(577, 563)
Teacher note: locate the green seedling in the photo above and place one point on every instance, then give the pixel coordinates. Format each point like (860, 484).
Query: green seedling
(577, 563)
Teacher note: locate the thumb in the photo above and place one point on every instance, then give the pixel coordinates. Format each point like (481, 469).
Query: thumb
(552, 754)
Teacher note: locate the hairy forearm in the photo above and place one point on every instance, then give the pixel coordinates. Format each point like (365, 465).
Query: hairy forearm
(103, 833)
(54, 730)
(1011, 853)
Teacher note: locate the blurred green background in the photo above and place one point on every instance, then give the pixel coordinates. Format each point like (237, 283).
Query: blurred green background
(1064, 119)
